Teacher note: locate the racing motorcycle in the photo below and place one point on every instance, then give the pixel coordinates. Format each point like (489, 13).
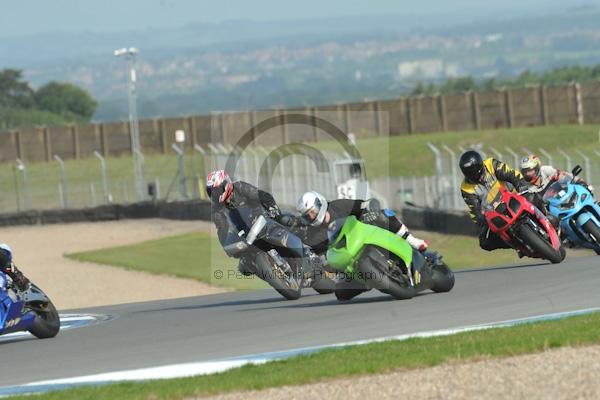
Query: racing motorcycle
(265, 246)
(28, 310)
(524, 227)
(579, 215)
(383, 260)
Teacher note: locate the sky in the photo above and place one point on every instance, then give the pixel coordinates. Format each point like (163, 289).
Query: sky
(27, 17)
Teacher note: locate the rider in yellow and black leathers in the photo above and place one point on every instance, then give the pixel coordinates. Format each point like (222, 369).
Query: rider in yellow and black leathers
(481, 178)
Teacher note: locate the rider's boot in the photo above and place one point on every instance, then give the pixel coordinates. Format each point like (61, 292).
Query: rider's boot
(246, 266)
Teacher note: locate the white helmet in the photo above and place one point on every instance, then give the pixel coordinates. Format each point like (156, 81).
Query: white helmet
(313, 207)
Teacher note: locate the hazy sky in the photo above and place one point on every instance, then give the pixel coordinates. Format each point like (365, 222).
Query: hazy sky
(22, 17)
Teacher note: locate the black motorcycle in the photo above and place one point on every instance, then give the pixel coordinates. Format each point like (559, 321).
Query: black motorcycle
(274, 255)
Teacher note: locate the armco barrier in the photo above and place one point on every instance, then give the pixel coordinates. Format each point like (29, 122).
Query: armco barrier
(429, 219)
(451, 222)
(184, 210)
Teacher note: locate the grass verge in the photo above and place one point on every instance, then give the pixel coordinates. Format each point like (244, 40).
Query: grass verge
(360, 360)
(197, 256)
(200, 256)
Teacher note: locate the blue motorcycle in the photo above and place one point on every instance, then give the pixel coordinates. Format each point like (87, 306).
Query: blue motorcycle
(26, 310)
(579, 215)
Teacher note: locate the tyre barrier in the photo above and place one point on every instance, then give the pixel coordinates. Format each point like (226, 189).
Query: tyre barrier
(180, 210)
(417, 218)
(431, 219)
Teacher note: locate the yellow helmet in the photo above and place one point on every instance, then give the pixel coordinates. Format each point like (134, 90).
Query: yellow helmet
(530, 167)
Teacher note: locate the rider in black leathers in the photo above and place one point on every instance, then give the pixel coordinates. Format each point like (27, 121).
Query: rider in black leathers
(227, 197)
(7, 266)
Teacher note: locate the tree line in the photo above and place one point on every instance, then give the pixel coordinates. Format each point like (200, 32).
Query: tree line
(556, 76)
(54, 103)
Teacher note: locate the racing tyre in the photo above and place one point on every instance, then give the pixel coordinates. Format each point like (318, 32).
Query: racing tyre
(374, 268)
(592, 229)
(268, 271)
(443, 278)
(47, 322)
(322, 284)
(539, 245)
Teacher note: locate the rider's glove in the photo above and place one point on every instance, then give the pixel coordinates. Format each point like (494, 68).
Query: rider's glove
(274, 212)
(418, 244)
(369, 217)
(289, 220)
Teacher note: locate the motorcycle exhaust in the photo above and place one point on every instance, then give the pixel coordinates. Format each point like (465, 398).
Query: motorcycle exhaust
(256, 229)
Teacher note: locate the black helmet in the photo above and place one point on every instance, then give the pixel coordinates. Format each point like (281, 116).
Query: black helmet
(471, 165)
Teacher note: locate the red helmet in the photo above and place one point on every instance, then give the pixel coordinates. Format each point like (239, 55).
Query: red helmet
(219, 186)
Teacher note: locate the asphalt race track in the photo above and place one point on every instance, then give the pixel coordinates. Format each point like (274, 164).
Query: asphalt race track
(243, 323)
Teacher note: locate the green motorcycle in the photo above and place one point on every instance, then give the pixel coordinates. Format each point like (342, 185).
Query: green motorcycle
(382, 260)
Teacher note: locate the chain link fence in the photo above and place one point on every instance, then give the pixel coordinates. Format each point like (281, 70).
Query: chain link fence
(442, 190)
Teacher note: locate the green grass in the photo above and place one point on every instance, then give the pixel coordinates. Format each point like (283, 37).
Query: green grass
(197, 256)
(409, 155)
(360, 360)
(406, 155)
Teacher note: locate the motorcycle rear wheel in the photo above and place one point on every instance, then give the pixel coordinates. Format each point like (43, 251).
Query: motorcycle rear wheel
(323, 284)
(378, 275)
(265, 270)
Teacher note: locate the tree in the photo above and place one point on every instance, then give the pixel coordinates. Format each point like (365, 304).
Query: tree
(458, 85)
(67, 100)
(14, 92)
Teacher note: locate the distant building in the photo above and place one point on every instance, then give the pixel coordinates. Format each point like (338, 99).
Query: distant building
(427, 69)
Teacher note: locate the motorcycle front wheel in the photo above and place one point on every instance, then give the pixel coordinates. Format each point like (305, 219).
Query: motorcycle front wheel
(539, 245)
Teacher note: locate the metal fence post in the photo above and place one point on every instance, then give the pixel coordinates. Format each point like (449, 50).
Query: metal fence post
(16, 181)
(105, 191)
(588, 166)
(438, 169)
(64, 196)
(200, 150)
(214, 154)
(414, 190)
(181, 170)
(23, 169)
(568, 158)
(454, 172)
(547, 155)
(515, 156)
(157, 187)
(497, 154)
(93, 193)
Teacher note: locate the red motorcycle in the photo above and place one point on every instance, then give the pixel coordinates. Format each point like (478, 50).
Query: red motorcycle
(524, 227)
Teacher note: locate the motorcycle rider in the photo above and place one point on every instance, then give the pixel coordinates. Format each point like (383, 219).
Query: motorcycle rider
(541, 176)
(316, 213)
(10, 269)
(227, 196)
(481, 177)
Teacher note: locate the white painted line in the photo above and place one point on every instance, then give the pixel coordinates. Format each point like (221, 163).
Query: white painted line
(212, 367)
(67, 322)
